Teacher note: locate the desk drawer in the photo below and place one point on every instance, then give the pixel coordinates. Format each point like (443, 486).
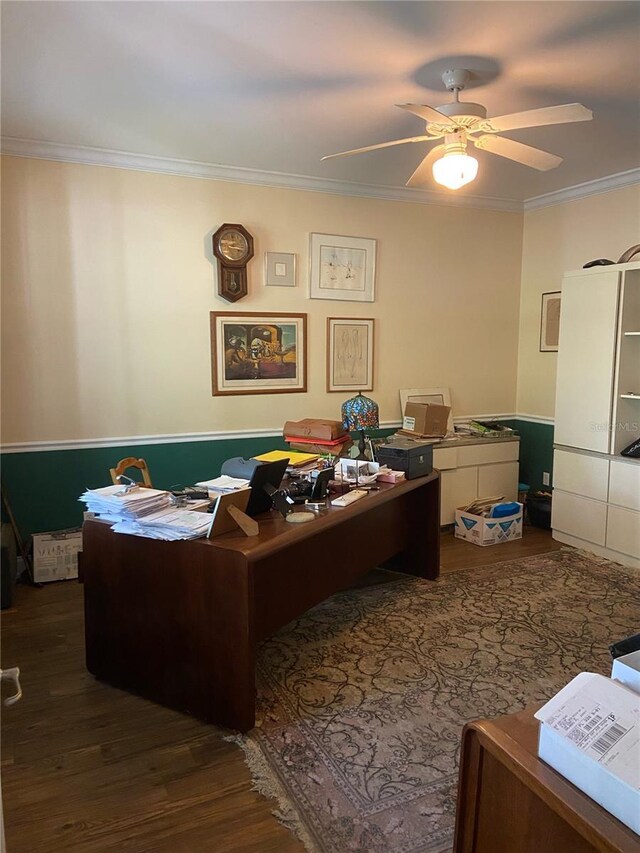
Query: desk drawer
(485, 454)
(445, 458)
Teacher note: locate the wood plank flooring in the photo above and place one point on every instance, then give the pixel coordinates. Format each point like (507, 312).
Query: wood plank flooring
(89, 768)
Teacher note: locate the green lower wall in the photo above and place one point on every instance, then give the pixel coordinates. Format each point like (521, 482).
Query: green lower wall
(43, 487)
(536, 451)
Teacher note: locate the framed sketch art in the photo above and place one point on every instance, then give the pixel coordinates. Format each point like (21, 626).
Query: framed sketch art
(342, 268)
(262, 353)
(349, 354)
(550, 321)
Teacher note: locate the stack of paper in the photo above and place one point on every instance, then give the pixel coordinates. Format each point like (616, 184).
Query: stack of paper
(168, 524)
(224, 484)
(114, 503)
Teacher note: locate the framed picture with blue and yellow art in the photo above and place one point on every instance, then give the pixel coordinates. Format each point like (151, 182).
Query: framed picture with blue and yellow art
(263, 353)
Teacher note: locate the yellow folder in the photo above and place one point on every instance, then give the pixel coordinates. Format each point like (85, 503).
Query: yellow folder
(295, 459)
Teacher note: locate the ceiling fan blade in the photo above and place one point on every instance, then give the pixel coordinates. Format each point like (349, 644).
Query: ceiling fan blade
(561, 114)
(379, 145)
(427, 113)
(525, 154)
(422, 174)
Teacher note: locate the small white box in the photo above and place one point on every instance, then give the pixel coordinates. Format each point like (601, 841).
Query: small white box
(55, 555)
(626, 670)
(590, 734)
(488, 531)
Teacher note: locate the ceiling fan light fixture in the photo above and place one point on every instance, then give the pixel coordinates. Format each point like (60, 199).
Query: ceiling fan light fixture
(454, 170)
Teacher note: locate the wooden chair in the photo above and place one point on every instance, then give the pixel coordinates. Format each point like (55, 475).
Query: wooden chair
(132, 462)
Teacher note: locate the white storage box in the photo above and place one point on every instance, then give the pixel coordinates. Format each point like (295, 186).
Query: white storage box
(55, 555)
(488, 531)
(590, 733)
(626, 670)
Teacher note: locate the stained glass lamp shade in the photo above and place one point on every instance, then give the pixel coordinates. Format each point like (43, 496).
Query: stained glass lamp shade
(360, 413)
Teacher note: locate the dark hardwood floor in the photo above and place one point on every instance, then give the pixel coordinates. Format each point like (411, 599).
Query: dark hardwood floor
(86, 767)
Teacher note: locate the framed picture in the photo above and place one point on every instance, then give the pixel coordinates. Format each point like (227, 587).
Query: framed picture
(342, 268)
(279, 269)
(349, 354)
(262, 353)
(550, 321)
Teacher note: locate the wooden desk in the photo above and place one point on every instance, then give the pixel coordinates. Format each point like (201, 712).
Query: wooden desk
(178, 622)
(509, 801)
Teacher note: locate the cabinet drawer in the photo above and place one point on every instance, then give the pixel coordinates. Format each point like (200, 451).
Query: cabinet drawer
(579, 517)
(581, 474)
(623, 531)
(485, 454)
(624, 484)
(445, 458)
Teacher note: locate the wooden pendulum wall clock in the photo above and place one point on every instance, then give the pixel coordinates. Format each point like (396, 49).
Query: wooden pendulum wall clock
(233, 247)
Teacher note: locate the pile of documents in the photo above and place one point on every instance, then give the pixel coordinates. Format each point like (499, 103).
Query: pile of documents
(223, 485)
(145, 512)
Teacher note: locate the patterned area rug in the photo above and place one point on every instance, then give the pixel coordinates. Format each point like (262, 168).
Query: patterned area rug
(362, 700)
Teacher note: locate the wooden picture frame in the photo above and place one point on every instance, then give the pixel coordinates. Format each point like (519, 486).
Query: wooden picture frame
(342, 268)
(258, 353)
(350, 348)
(550, 321)
(221, 520)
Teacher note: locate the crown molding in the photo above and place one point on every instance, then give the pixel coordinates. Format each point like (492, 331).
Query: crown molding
(595, 187)
(239, 174)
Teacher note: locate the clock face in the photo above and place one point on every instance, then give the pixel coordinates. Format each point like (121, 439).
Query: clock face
(233, 245)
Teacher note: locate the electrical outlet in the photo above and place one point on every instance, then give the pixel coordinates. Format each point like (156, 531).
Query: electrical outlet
(546, 479)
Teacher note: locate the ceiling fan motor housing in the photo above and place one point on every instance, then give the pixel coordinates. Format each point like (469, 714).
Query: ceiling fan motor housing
(463, 109)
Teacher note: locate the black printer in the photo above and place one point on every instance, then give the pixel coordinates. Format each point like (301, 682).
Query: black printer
(415, 458)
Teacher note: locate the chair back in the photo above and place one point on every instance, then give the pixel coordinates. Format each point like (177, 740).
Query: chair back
(131, 462)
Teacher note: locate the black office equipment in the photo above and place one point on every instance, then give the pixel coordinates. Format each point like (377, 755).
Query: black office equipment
(632, 450)
(266, 473)
(405, 454)
(240, 467)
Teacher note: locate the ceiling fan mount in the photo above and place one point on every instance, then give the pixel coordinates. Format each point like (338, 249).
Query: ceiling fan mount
(462, 122)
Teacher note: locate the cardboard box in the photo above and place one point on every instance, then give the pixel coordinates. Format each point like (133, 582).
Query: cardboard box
(425, 419)
(55, 555)
(590, 734)
(314, 428)
(626, 670)
(488, 531)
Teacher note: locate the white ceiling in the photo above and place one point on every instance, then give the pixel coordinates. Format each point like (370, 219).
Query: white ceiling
(274, 86)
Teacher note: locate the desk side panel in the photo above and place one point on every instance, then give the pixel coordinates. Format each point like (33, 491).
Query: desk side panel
(170, 621)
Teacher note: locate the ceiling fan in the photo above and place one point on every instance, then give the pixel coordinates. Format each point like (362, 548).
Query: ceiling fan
(461, 123)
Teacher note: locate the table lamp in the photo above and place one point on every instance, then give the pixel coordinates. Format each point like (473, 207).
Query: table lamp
(358, 413)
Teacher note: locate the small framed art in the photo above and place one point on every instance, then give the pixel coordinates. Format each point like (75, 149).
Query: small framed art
(342, 268)
(262, 353)
(279, 269)
(550, 321)
(350, 354)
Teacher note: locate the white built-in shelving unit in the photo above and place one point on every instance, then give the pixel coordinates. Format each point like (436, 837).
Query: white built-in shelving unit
(596, 498)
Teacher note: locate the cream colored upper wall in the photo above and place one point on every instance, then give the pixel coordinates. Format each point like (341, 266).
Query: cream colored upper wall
(558, 239)
(108, 285)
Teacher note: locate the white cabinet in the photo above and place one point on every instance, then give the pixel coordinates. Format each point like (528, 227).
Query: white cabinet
(586, 350)
(483, 469)
(596, 497)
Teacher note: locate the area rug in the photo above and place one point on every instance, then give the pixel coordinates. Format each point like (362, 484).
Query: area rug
(362, 701)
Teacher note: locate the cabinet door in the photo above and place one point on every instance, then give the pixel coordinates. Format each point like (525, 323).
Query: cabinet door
(501, 479)
(579, 517)
(584, 389)
(581, 474)
(457, 488)
(623, 531)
